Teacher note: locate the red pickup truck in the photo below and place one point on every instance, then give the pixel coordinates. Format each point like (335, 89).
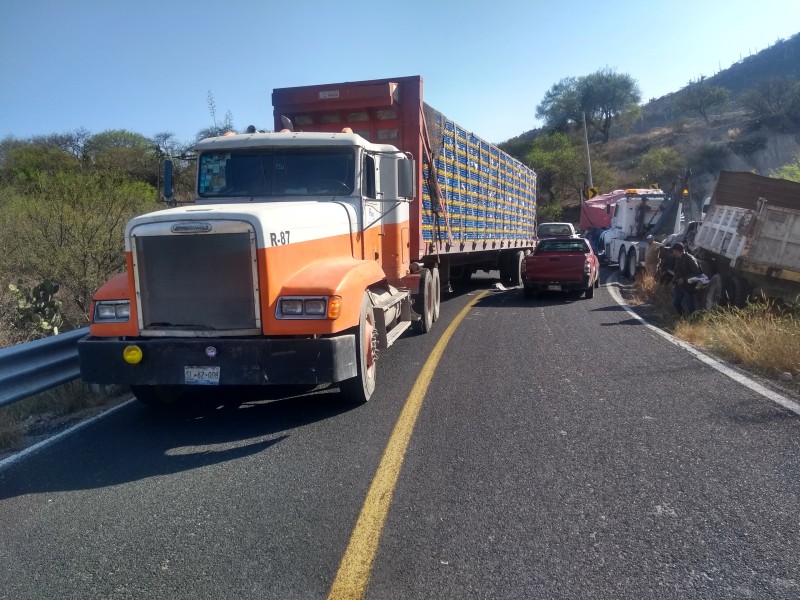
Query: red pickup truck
(561, 265)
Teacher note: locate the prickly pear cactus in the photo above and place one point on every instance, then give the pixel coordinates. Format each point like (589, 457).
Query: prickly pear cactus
(38, 310)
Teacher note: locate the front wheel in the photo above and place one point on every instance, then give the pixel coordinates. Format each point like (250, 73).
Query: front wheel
(359, 389)
(159, 395)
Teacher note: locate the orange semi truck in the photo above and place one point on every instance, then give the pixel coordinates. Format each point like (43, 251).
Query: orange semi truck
(310, 250)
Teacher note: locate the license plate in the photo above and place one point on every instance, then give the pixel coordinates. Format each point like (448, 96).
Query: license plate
(553, 288)
(201, 375)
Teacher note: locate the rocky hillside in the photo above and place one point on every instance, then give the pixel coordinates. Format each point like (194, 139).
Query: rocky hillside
(730, 140)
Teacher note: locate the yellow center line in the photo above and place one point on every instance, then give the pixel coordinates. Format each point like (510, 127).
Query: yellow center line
(356, 566)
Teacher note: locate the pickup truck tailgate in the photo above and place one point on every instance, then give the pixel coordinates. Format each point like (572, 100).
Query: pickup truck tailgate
(556, 266)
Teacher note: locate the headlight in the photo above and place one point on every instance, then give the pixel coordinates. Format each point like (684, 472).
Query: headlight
(292, 306)
(112, 311)
(308, 307)
(314, 306)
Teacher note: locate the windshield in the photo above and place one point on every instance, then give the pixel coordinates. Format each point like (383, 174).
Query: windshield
(575, 245)
(548, 229)
(277, 172)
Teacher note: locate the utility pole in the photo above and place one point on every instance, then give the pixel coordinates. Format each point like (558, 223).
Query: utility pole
(586, 148)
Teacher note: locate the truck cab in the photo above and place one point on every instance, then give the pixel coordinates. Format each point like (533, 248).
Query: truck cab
(289, 269)
(634, 217)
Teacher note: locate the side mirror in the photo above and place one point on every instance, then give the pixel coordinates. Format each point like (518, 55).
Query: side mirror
(167, 179)
(406, 170)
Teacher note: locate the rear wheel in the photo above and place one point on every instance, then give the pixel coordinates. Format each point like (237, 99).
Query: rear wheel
(622, 262)
(359, 389)
(719, 292)
(741, 292)
(437, 292)
(633, 264)
(589, 292)
(515, 268)
(424, 301)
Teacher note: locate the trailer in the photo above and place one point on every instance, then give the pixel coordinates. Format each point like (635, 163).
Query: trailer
(475, 205)
(311, 249)
(749, 241)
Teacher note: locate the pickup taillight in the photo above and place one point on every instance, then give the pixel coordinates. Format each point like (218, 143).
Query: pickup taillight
(587, 267)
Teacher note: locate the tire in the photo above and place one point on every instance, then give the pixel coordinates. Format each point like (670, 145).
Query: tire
(741, 292)
(360, 388)
(437, 293)
(424, 301)
(515, 268)
(622, 262)
(607, 255)
(633, 264)
(718, 292)
(589, 292)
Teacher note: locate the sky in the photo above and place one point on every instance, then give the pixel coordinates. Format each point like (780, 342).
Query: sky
(149, 66)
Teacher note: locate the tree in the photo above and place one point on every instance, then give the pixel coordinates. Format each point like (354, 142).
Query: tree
(21, 162)
(68, 228)
(700, 97)
(561, 105)
(661, 166)
(774, 102)
(73, 142)
(600, 97)
(120, 150)
(790, 171)
(560, 170)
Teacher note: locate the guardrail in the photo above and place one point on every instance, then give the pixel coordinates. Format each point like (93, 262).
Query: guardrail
(27, 369)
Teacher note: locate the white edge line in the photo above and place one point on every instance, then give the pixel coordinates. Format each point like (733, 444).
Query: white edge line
(9, 460)
(712, 362)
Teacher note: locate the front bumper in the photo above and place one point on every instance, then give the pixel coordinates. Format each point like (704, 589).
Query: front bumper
(564, 286)
(258, 361)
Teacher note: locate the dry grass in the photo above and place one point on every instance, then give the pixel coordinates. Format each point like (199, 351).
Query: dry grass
(50, 410)
(762, 336)
(652, 300)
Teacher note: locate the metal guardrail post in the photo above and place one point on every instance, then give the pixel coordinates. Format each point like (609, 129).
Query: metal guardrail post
(27, 369)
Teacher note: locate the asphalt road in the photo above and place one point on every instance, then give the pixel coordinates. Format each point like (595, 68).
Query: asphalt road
(562, 450)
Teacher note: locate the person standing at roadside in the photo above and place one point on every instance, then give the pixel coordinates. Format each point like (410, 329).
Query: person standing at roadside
(686, 266)
(651, 255)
